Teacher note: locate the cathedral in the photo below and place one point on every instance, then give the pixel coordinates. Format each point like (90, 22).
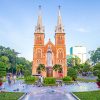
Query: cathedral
(49, 54)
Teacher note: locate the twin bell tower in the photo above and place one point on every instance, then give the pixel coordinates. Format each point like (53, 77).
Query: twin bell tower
(49, 54)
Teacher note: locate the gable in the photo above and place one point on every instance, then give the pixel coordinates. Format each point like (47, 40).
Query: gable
(51, 45)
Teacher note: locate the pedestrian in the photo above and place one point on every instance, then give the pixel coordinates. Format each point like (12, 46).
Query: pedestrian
(41, 79)
(9, 80)
(14, 79)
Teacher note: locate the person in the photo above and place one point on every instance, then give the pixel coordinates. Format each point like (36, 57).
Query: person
(9, 80)
(14, 78)
(41, 80)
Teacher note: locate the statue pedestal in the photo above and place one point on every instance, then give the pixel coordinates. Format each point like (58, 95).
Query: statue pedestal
(49, 71)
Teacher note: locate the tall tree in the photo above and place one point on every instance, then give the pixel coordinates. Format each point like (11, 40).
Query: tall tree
(72, 73)
(95, 56)
(97, 71)
(2, 70)
(12, 61)
(73, 61)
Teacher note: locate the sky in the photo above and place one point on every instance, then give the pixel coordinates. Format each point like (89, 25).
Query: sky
(18, 18)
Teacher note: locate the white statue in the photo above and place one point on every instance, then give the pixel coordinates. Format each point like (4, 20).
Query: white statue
(49, 57)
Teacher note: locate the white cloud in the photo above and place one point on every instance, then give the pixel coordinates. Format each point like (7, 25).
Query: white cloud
(83, 30)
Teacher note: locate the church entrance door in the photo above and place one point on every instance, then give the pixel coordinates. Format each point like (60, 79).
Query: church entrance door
(49, 71)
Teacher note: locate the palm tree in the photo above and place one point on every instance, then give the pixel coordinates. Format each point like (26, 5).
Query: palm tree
(41, 67)
(20, 69)
(57, 68)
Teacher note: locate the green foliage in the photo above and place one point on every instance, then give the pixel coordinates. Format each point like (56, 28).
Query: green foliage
(49, 80)
(97, 71)
(13, 63)
(2, 69)
(10, 95)
(67, 79)
(86, 67)
(30, 80)
(57, 67)
(86, 80)
(95, 56)
(27, 73)
(72, 73)
(73, 61)
(26, 65)
(40, 68)
(90, 95)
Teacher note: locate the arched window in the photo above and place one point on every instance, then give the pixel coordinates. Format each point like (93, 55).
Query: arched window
(60, 53)
(38, 62)
(39, 53)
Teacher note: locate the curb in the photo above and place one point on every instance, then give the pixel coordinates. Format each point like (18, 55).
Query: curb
(22, 96)
(75, 96)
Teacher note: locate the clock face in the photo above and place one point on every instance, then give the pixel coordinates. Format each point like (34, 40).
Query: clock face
(38, 40)
(60, 39)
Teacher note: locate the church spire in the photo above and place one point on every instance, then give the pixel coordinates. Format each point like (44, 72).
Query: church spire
(39, 28)
(59, 27)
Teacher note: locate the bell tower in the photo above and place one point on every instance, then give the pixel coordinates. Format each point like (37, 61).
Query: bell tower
(38, 43)
(39, 30)
(60, 44)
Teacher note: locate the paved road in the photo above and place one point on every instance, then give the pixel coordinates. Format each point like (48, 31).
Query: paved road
(48, 95)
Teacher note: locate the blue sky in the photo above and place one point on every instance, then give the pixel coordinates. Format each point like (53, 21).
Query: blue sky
(81, 20)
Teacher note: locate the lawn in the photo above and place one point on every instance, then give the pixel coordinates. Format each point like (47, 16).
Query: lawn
(10, 95)
(90, 95)
(85, 80)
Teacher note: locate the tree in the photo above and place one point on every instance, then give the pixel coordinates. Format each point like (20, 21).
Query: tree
(40, 68)
(22, 64)
(11, 61)
(97, 71)
(95, 56)
(72, 73)
(57, 68)
(86, 67)
(2, 70)
(27, 73)
(5, 60)
(73, 61)
(11, 54)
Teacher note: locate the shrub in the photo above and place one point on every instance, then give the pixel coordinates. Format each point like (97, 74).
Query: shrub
(97, 71)
(72, 73)
(49, 80)
(27, 73)
(29, 78)
(67, 79)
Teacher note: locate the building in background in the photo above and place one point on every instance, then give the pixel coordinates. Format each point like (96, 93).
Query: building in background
(79, 51)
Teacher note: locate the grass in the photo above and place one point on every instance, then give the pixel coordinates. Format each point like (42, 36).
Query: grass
(90, 95)
(49, 84)
(10, 95)
(85, 80)
(20, 78)
(68, 82)
(29, 82)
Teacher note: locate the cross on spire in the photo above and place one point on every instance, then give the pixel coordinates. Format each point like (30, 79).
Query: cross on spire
(39, 6)
(59, 7)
